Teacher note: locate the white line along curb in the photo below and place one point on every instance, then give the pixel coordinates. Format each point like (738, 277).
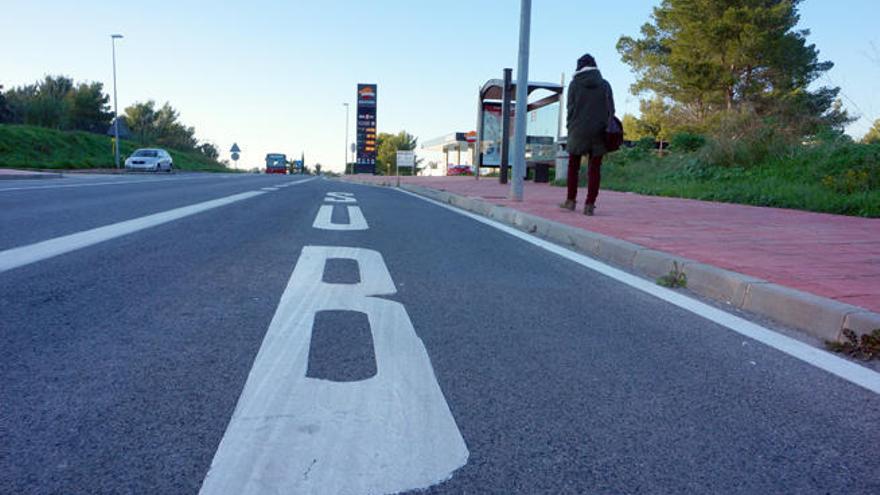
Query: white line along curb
(851, 372)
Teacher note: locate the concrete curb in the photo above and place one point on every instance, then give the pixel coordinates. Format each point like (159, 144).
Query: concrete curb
(814, 315)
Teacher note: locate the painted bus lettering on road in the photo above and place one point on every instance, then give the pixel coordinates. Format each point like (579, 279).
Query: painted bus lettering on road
(385, 434)
(324, 219)
(356, 220)
(340, 197)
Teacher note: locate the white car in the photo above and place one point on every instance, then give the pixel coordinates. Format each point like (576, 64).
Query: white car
(153, 159)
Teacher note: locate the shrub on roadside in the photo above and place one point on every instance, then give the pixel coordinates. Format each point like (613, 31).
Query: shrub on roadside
(686, 142)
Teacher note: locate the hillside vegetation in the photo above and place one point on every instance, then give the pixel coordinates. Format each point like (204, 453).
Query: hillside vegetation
(25, 146)
(839, 177)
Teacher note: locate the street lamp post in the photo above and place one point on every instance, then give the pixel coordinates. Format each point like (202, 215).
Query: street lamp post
(113, 38)
(522, 103)
(345, 155)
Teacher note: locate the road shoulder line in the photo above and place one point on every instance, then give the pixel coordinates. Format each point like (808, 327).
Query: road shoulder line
(851, 372)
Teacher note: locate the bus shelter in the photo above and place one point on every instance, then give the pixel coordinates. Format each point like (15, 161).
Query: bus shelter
(495, 126)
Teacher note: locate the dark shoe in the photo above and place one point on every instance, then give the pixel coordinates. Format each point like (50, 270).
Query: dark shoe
(589, 209)
(568, 205)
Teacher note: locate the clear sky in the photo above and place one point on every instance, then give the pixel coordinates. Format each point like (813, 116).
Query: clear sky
(272, 75)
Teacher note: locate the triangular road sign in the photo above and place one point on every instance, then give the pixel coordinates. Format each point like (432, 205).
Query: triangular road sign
(235, 148)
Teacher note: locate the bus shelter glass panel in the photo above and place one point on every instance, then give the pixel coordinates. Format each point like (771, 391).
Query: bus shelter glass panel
(542, 126)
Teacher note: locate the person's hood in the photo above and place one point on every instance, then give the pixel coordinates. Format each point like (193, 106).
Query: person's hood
(588, 77)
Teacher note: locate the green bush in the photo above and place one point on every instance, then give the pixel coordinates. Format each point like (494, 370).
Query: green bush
(742, 139)
(837, 176)
(646, 143)
(687, 142)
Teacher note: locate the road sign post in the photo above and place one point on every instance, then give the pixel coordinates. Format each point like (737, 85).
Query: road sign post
(235, 150)
(405, 158)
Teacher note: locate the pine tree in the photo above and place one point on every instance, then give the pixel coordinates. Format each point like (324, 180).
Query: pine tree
(712, 55)
(873, 135)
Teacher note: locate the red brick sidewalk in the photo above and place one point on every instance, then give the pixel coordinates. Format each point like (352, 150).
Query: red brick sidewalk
(828, 255)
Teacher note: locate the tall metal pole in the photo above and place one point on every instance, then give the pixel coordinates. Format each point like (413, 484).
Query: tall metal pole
(113, 38)
(345, 155)
(522, 103)
(505, 127)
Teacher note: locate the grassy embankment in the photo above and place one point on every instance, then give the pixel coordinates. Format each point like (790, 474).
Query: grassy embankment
(30, 147)
(833, 177)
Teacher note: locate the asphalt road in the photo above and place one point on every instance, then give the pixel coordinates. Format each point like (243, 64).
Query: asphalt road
(122, 363)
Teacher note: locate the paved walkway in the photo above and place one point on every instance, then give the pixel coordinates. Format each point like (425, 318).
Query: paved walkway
(828, 255)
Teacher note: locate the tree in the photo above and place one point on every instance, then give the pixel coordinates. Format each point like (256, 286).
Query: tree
(873, 135)
(209, 150)
(160, 127)
(47, 103)
(141, 119)
(654, 121)
(57, 103)
(708, 56)
(631, 127)
(90, 108)
(171, 132)
(387, 147)
(5, 109)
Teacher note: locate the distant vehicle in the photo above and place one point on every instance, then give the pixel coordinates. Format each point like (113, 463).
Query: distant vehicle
(153, 159)
(460, 170)
(276, 163)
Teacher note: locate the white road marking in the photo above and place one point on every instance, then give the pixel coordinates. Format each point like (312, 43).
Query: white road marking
(270, 189)
(294, 434)
(340, 197)
(24, 255)
(851, 372)
(356, 220)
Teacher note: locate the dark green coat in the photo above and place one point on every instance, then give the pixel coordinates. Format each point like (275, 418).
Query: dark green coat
(590, 104)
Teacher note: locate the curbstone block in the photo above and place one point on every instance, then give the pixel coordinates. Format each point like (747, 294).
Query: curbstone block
(502, 214)
(621, 253)
(718, 283)
(560, 233)
(524, 221)
(655, 264)
(862, 322)
(586, 242)
(815, 315)
(482, 208)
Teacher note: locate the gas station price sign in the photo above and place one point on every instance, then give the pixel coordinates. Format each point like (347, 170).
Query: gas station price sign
(366, 129)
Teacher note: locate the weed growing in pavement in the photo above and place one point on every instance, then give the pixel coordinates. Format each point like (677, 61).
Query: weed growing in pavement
(675, 279)
(866, 347)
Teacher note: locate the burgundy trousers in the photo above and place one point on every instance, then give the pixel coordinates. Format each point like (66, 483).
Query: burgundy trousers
(594, 177)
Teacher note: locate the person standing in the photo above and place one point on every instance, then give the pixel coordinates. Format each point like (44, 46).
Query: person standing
(590, 105)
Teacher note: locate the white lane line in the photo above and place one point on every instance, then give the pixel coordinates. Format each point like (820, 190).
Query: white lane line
(20, 256)
(118, 182)
(356, 220)
(270, 189)
(851, 372)
(290, 433)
